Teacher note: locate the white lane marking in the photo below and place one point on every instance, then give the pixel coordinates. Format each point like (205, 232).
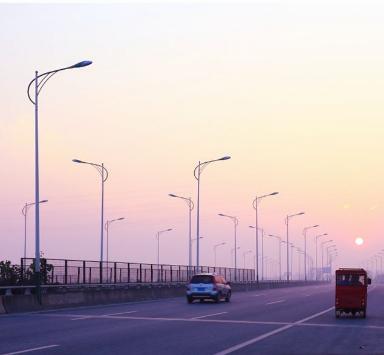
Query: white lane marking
(31, 349)
(260, 294)
(273, 332)
(279, 301)
(209, 315)
(102, 315)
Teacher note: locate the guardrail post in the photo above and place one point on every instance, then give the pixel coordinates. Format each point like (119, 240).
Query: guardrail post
(101, 272)
(114, 270)
(83, 271)
(129, 273)
(65, 271)
(140, 273)
(151, 273)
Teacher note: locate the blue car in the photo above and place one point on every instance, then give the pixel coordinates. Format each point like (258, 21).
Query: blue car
(208, 286)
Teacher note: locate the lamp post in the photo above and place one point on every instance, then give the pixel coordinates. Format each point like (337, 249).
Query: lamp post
(287, 224)
(245, 254)
(107, 224)
(280, 242)
(197, 174)
(24, 211)
(305, 248)
(255, 207)
(158, 249)
(104, 176)
(233, 251)
(235, 224)
(262, 250)
(190, 204)
(316, 238)
(214, 249)
(322, 256)
(39, 81)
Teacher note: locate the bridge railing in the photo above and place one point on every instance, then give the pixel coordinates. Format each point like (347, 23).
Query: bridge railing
(68, 272)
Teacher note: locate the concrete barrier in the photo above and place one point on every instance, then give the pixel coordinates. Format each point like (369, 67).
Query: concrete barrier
(84, 295)
(2, 309)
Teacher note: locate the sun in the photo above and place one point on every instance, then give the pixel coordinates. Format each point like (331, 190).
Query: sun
(359, 241)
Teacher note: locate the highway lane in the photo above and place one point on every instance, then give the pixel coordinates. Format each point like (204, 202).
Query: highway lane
(297, 320)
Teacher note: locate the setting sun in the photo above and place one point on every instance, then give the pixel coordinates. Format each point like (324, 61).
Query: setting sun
(359, 241)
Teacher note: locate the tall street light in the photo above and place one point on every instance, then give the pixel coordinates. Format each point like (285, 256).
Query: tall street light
(245, 254)
(107, 224)
(104, 176)
(24, 211)
(287, 224)
(255, 206)
(322, 256)
(197, 173)
(316, 238)
(280, 242)
(235, 224)
(305, 248)
(38, 82)
(233, 252)
(214, 249)
(262, 250)
(190, 204)
(158, 234)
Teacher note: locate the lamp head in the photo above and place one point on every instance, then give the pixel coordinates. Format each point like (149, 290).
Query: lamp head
(172, 195)
(221, 214)
(252, 227)
(225, 158)
(84, 63)
(168, 230)
(43, 201)
(77, 161)
(120, 219)
(273, 193)
(316, 225)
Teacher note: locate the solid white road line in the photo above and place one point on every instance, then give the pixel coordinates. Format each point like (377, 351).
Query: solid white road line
(269, 334)
(258, 295)
(31, 349)
(209, 315)
(102, 315)
(279, 301)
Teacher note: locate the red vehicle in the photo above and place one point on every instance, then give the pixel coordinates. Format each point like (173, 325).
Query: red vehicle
(351, 291)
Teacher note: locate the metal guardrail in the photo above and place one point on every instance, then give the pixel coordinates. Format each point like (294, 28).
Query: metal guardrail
(69, 272)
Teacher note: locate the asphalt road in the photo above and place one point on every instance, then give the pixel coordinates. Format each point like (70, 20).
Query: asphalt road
(297, 320)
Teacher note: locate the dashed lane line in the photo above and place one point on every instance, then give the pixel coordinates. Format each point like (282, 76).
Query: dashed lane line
(102, 315)
(31, 349)
(274, 302)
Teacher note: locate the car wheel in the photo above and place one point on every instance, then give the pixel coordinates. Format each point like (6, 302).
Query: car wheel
(217, 298)
(189, 299)
(201, 300)
(228, 297)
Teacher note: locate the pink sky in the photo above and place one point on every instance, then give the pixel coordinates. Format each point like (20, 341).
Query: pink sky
(291, 91)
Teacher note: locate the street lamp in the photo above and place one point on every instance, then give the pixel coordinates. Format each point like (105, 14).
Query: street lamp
(233, 251)
(214, 249)
(280, 242)
(235, 224)
(262, 250)
(158, 245)
(245, 254)
(255, 205)
(107, 224)
(24, 211)
(322, 256)
(39, 81)
(305, 248)
(190, 208)
(316, 238)
(287, 224)
(197, 173)
(104, 176)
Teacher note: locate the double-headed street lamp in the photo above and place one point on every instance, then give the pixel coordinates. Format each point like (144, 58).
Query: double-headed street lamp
(235, 224)
(262, 250)
(197, 174)
(322, 256)
(190, 204)
(305, 248)
(104, 176)
(107, 224)
(316, 238)
(39, 82)
(214, 249)
(287, 241)
(24, 211)
(280, 242)
(255, 206)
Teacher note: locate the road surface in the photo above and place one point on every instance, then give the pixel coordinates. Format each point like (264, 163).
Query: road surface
(297, 320)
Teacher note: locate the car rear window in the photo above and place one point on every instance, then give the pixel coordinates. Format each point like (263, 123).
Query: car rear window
(202, 279)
